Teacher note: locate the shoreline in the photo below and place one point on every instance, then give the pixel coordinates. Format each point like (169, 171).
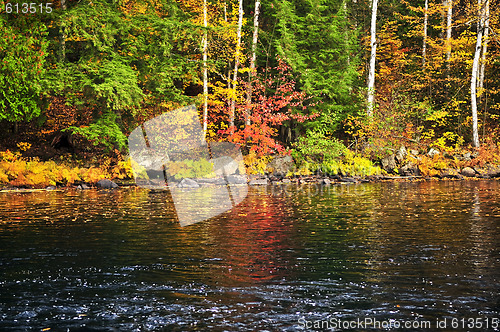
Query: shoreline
(263, 180)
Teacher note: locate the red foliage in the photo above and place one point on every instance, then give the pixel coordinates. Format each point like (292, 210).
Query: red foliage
(275, 100)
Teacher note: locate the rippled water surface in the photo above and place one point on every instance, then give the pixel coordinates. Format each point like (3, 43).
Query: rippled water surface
(118, 260)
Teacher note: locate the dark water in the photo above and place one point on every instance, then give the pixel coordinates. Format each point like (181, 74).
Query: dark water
(285, 259)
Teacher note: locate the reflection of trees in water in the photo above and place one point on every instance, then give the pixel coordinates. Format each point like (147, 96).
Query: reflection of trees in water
(253, 240)
(420, 238)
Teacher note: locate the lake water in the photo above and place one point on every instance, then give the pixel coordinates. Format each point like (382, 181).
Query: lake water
(288, 258)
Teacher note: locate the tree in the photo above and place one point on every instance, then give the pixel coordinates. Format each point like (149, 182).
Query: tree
(251, 73)
(23, 50)
(424, 41)
(316, 38)
(205, 69)
(373, 55)
(475, 64)
(232, 104)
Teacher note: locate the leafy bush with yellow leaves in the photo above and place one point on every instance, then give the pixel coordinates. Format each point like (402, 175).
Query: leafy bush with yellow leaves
(22, 172)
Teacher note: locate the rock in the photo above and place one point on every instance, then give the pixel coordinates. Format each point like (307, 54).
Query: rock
(281, 165)
(489, 171)
(106, 184)
(225, 165)
(188, 183)
(467, 156)
(50, 188)
(432, 152)
(414, 152)
(401, 154)
(450, 173)
(286, 181)
(409, 169)
(236, 179)
(326, 182)
(84, 186)
(214, 181)
(467, 171)
(348, 179)
(389, 163)
(258, 182)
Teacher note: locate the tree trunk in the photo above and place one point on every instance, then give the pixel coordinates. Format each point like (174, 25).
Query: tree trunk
(205, 70)
(62, 36)
(473, 82)
(373, 55)
(251, 74)
(424, 42)
(486, 17)
(236, 65)
(449, 15)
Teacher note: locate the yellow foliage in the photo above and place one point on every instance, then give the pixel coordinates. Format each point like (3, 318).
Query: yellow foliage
(24, 146)
(255, 164)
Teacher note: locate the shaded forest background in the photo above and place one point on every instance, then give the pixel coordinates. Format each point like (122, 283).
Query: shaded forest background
(76, 81)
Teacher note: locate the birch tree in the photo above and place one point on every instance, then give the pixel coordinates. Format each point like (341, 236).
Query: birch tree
(473, 82)
(449, 14)
(205, 70)
(232, 105)
(251, 73)
(486, 17)
(424, 42)
(373, 55)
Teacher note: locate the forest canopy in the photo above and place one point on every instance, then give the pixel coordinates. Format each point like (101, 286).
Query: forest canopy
(276, 77)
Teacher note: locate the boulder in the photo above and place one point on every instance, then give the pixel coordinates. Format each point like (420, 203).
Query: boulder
(106, 184)
(326, 181)
(236, 179)
(414, 152)
(490, 171)
(281, 165)
(50, 188)
(469, 172)
(258, 182)
(450, 173)
(286, 181)
(188, 183)
(401, 154)
(389, 163)
(409, 169)
(349, 180)
(432, 152)
(225, 165)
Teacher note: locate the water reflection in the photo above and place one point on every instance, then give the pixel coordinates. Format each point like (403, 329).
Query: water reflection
(120, 259)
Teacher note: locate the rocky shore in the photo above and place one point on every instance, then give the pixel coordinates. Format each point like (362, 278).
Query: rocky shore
(403, 165)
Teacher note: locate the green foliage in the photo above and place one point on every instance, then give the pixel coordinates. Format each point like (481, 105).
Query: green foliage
(105, 131)
(317, 147)
(315, 37)
(189, 168)
(23, 50)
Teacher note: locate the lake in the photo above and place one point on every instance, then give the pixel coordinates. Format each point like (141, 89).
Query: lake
(288, 258)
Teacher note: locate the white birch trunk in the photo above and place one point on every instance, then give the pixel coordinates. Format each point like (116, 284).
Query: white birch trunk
(485, 45)
(473, 82)
(251, 74)
(205, 70)
(236, 64)
(373, 55)
(62, 36)
(449, 15)
(424, 42)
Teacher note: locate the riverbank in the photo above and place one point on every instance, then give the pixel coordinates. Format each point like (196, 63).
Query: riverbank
(18, 172)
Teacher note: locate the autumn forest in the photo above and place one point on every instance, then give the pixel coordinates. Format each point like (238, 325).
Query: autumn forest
(357, 88)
